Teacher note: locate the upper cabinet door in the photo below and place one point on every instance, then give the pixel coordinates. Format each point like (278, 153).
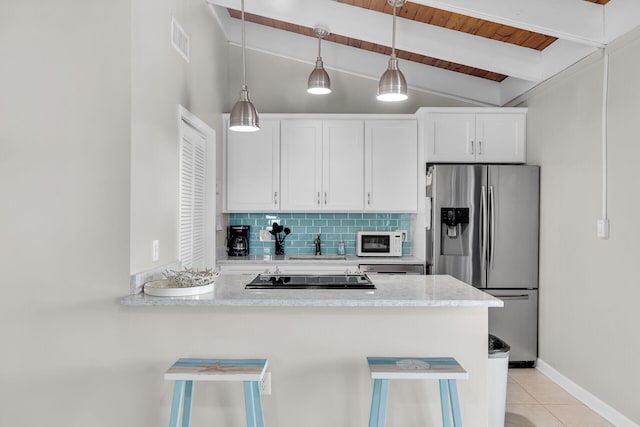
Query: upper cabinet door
(450, 137)
(301, 165)
(253, 168)
(391, 166)
(343, 165)
(500, 138)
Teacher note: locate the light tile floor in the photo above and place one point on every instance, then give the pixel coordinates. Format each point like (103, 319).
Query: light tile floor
(533, 400)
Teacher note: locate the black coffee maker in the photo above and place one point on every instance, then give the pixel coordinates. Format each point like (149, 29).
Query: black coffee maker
(238, 240)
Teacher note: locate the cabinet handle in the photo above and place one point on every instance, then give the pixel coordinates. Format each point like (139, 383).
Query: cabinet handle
(479, 147)
(472, 151)
(275, 197)
(325, 197)
(318, 198)
(369, 198)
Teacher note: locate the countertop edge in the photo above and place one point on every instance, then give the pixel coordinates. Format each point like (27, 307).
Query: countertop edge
(141, 300)
(391, 291)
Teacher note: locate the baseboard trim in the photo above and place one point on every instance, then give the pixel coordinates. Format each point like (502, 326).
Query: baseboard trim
(597, 405)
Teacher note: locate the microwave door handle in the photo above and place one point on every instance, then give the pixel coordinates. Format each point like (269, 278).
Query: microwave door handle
(483, 212)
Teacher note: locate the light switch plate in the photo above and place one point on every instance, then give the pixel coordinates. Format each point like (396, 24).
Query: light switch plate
(155, 251)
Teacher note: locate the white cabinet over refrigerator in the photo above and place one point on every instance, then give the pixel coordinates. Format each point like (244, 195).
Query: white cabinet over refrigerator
(473, 135)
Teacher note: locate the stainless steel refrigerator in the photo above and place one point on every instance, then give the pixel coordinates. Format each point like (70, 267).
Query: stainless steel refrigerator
(482, 228)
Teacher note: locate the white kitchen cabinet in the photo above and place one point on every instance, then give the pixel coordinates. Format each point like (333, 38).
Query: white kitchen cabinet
(322, 165)
(343, 165)
(315, 163)
(253, 169)
(449, 137)
(391, 166)
(500, 138)
(301, 165)
(474, 135)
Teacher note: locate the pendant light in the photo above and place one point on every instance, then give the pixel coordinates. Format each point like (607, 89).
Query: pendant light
(392, 86)
(243, 117)
(319, 82)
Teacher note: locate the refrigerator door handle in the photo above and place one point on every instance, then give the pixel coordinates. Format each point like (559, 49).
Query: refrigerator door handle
(524, 297)
(492, 210)
(483, 211)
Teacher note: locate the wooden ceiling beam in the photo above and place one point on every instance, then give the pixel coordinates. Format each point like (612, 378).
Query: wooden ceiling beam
(577, 21)
(412, 36)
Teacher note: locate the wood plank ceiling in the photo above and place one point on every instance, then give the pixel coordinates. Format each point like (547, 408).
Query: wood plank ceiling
(427, 15)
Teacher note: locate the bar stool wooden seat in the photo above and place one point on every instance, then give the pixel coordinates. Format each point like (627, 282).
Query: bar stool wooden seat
(444, 369)
(185, 371)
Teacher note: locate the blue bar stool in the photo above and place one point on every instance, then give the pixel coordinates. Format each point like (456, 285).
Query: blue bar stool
(185, 371)
(444, 369)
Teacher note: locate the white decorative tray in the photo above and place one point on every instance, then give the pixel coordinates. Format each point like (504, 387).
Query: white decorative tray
(165, 288)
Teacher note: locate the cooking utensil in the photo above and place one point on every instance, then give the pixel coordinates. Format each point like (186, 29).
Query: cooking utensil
(273, 231)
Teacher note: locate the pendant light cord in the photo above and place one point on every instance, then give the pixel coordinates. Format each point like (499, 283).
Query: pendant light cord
(393, 35)
(319, 43)
(244, 66)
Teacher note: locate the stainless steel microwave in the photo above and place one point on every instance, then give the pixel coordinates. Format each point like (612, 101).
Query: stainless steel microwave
(380, 243)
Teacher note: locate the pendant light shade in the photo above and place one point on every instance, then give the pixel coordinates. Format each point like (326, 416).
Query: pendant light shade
(319, 82)
(244, 117)
(393, 86)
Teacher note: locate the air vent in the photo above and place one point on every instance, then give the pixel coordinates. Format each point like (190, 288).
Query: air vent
(179, 39)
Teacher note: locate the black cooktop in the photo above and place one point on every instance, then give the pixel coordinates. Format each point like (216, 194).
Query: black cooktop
(311, 281)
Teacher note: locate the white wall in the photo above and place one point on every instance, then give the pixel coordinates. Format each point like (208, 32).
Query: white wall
(161, 79)
(588, 286)
(64, 220)
(71, 356)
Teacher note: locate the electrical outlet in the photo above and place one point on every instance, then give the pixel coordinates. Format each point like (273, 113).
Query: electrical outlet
(602, 228)
(155, 253)
(265, 236)
(265, 384)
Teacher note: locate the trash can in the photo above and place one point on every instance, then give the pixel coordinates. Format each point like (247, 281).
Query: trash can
(497, 372)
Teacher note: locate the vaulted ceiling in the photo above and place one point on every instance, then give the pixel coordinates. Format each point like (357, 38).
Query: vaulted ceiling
(486, 52)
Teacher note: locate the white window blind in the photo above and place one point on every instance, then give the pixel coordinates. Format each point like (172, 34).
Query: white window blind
(192, 213)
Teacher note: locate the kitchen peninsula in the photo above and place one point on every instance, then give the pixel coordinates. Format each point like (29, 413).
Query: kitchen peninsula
(317, 342)
(391, 291)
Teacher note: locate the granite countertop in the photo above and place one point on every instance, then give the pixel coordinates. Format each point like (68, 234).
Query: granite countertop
(322, 259)
(392, 291)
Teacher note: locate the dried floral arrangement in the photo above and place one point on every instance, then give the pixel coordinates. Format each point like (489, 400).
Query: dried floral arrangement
(189, 277)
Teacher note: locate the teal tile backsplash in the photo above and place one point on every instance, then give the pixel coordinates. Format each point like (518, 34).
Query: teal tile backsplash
(333, 226)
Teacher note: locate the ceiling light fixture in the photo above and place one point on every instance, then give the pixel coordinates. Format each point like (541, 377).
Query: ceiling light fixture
(319, 82)
(243, 117)
(393, 86)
